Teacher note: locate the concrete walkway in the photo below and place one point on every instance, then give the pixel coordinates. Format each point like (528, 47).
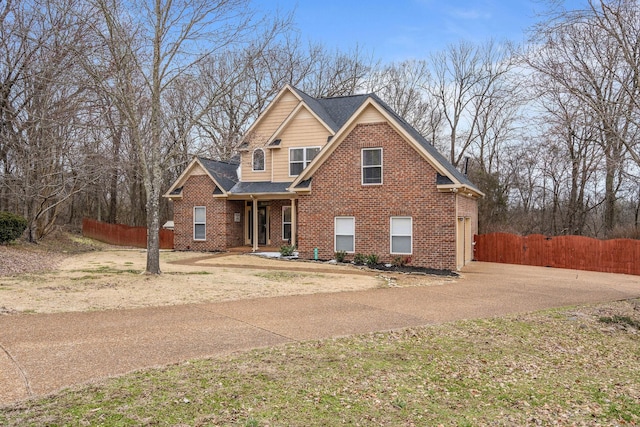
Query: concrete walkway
(40, 354)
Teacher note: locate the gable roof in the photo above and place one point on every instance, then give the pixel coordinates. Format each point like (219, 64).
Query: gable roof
(334, 112)
(337, 114)
(452, 170)
(343, 111)
(222, 173)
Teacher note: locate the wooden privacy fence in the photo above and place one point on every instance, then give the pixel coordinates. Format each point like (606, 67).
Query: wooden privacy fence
(575, 252)
(123, 235)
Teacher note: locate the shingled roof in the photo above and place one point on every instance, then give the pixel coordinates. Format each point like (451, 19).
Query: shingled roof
(462, 178)
(225, 173)
(336, 111)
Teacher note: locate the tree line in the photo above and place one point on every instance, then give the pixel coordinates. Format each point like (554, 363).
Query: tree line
(103, 103)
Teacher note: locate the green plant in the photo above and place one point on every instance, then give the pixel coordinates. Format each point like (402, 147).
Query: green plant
(11, 227)
(371, 260)
(359, 259)
(340, 256)
(621, 320)
(287, 250)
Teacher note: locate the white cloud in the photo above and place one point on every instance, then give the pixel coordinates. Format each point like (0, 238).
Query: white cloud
(470, 14)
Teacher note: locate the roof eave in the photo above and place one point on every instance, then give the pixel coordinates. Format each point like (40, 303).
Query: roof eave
(247, 196)
(172, 197)
(306, 190)
(462, 190)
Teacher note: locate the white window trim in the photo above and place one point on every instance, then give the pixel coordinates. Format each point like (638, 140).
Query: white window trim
(264, 160)
(305, 162)
(283, 222)
(391, 235)
(198, 223)
(362, 166)
(335, 235)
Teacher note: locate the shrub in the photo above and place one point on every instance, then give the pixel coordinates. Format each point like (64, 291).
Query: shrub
(340, 256)
(11, 227)
(359, 259)
(287, 250)
(372, 260)
(401, 261)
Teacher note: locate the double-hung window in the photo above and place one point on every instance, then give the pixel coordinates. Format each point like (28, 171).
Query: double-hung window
(299, 158)
(286, 223)
(199, 223)
(371, 166)
(345, 231)
(401, 235)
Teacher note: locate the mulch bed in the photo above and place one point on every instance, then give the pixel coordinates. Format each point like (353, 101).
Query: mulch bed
(413, 270)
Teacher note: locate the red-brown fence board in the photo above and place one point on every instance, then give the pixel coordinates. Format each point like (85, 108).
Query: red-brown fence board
(574, 252)
(123, 235)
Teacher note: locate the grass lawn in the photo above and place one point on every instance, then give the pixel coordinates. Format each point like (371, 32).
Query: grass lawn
(574, 366)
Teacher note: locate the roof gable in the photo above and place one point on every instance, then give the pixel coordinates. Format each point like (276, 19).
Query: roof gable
(223, 174)
(453, 173)
(334, 112)
(295, 113)
(285, 90)
(426, 150)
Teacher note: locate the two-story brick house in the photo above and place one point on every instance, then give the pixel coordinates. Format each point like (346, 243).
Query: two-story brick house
(332, 174)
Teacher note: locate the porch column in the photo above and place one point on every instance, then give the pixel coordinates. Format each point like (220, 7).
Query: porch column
(294, 223)
(254, 214)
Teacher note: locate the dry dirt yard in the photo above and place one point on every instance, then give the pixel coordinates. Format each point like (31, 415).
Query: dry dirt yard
(82, 275)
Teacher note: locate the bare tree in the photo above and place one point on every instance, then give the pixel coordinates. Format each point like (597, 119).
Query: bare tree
(470, 83)
(159, 45)
(254, 75)
(402, 86)
(619, 20)
(336, 74)
(580, 57)
(44, 109)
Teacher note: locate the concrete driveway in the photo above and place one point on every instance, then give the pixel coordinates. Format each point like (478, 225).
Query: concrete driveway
(40, 354)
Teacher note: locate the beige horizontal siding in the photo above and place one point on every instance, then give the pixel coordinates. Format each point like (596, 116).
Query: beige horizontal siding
(370, 115)
(260, 137)
(303, 131)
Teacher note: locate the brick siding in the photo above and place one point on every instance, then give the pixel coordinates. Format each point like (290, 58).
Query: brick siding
(408, 189)
(221, 229)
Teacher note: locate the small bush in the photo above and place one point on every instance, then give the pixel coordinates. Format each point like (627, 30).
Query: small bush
(401, 261)
(359, 259)
(287, 250)
(372, 260)
(340, 256)
(11, 227)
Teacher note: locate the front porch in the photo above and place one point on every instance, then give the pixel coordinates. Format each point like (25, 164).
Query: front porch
(267, 223)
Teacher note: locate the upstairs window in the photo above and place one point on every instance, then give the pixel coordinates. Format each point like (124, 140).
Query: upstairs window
(299, 158)
(371, 166)
(258, 160)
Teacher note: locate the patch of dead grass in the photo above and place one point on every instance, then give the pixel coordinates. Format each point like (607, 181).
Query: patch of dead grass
(552, 368)
(112, 279)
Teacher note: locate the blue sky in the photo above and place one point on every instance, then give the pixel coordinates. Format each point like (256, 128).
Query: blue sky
(403, 29)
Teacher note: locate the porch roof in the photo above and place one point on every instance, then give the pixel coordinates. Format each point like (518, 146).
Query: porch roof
(260, 187)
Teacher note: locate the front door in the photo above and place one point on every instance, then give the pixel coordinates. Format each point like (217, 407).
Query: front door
(263, 225)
